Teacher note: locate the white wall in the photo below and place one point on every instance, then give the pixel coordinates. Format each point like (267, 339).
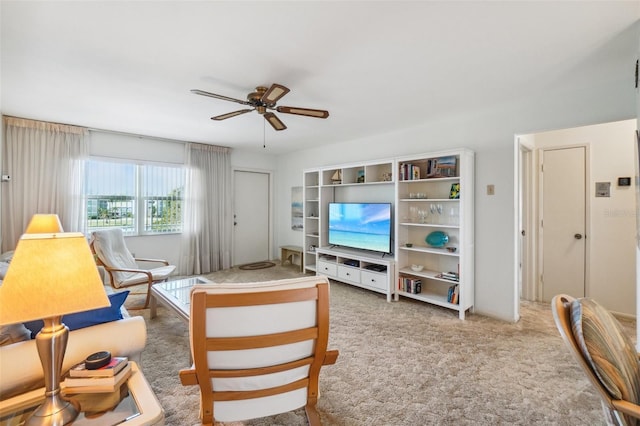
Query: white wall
(490, 133)
(611, 228)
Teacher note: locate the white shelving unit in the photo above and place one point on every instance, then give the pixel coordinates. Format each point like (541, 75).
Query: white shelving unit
(311, 213)
(358, 182)
(424, 205)
(419, 187)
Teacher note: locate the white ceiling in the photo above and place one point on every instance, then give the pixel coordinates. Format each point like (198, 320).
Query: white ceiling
(375, 65)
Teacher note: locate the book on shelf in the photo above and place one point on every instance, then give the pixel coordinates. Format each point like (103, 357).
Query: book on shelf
(410, 285)
(452, 276)
(409, 171)
(72, 385)
(116, 364)
(453, 294)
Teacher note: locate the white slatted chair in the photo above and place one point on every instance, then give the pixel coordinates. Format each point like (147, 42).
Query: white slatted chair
(258, 348)
(112, 253)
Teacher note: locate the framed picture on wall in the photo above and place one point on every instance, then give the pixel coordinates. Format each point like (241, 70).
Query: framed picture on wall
(296, 208)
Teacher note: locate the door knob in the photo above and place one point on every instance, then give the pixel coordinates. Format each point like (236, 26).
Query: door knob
(577, 236)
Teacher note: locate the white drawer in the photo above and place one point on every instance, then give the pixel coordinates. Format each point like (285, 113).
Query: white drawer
(349, 273)
(374, 279)
(327, 268)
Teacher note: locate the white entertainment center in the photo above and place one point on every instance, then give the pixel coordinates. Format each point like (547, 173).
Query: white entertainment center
(371, 271)
(432, 202)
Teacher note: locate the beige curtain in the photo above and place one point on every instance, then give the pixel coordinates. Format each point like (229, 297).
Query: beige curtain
(46, 165)
(207, 210)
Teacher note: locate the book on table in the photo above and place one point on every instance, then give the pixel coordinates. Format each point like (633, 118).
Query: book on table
(116, 364)
(72, 385)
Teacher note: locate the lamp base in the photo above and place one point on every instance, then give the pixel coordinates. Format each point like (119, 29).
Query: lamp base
(54, 411)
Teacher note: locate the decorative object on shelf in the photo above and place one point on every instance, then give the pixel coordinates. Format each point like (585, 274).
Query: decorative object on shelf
(386, 177)
(452, 249)
(437, 239)
(417, 268)
(409, 244)
(51, 271)
(442, 167)
(360, 178)
(336, 178)
(454, 193)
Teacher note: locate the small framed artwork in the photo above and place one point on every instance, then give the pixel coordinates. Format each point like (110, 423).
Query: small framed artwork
(454, 193)
(296, 208)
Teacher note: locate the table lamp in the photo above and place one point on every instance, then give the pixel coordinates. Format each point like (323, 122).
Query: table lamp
(51, 275)
(44, 224)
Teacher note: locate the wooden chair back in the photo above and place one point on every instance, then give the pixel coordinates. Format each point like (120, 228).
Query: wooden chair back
(258, 349)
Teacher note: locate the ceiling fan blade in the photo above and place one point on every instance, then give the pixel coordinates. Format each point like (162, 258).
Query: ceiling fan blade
(231, 114)
(224, 98)
(274, 121)
(318, 113)
(274, 93)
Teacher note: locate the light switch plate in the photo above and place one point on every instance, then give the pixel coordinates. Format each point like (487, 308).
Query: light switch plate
(491, 189)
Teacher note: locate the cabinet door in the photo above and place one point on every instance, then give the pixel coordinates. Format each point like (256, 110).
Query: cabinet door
(349, 273)
(373, 279)
(327, 268)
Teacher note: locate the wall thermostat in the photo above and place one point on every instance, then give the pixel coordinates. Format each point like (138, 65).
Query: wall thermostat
(624, 181)
(6, 178)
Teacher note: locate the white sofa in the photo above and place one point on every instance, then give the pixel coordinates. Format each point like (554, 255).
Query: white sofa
(21, 370)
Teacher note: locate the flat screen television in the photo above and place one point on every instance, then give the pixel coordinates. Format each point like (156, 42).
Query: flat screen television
(365, 226)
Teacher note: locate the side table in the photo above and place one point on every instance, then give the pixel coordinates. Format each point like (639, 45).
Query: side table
(139, 408)
(287, 253)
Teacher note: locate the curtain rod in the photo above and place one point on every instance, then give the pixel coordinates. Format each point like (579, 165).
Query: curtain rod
(116, 132)
(135, 135)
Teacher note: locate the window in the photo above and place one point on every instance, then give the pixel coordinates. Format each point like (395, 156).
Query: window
(139, 198)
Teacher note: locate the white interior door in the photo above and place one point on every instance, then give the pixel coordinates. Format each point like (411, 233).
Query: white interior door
(251, 217)
(563, 222)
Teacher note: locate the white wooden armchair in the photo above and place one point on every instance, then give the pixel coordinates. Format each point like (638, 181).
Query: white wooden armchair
(605, 354)
(258, 347)
(112, 253)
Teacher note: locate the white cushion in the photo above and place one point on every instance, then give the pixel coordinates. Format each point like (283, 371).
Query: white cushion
(158, 274)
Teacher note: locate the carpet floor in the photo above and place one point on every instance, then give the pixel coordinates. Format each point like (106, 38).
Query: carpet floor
(406, 363)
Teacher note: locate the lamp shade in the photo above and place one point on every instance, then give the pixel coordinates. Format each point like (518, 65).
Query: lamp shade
(50, 275)
(44, 224)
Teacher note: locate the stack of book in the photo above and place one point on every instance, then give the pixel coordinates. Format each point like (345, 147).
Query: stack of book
(106, 379)
(410, 285)
(453, 276)
(409, 171)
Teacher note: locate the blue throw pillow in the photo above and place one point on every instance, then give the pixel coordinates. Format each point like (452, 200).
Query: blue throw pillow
(87, 318)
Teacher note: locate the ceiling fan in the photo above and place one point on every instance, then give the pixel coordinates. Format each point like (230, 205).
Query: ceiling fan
(264, 101)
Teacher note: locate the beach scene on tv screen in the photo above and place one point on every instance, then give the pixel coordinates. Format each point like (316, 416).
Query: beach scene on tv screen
(365, 226)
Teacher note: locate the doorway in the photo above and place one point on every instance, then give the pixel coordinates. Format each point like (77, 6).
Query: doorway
(251, 216)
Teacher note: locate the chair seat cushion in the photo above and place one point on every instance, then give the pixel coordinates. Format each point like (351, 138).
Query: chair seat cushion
(607, 348)
(158, 274)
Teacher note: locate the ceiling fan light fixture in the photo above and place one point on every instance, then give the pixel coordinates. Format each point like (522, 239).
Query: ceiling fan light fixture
(274, 121)
(318, 113)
